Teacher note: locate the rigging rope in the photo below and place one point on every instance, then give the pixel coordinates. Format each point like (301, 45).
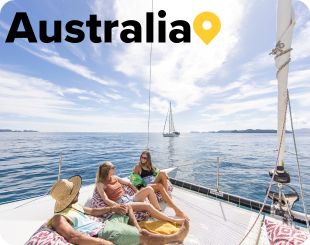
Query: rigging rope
(278, 51)
(150, 84)
(270, 183)
(298, 165)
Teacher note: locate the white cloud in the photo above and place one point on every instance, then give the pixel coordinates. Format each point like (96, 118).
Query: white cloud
(84, 98)
(186, 74)
(113, 96)
(2, 3)
(224, 109)
(104, 11)
(38, 104)
(298, 79)
(29, 96)
(157, 105)
(133, 87)
(76, 68)
(54, 58)
(300, 41)
(177, 69)
(76, 51)
(90, 95)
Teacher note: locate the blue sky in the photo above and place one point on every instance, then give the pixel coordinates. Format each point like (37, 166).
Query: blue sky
(228, 84)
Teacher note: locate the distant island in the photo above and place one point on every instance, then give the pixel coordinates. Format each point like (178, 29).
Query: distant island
(13, 131)
(303, 130)
(249, 131)
(254, 131)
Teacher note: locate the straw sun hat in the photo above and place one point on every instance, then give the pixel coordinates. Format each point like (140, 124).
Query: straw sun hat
(64, 191)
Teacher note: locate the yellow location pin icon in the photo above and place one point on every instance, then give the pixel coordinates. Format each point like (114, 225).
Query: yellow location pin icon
(207, 34)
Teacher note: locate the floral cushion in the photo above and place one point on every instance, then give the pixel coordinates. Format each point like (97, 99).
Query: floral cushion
(281, 234)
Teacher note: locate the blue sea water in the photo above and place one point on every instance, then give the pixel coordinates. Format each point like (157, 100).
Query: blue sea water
(29, 161)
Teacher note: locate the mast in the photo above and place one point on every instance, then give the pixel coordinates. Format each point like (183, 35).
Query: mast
(285, 24)
(170, 116)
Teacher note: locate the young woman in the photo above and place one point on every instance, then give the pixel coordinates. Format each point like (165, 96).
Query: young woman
(156, 179)
(109, 187)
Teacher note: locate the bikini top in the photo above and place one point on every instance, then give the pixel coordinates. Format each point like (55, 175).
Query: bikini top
(145, 173)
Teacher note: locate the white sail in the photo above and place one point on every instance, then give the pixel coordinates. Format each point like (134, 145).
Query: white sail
(171, 127)
(285, 24)
(171, 130)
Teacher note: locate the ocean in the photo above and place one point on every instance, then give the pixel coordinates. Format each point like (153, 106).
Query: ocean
(29, 161)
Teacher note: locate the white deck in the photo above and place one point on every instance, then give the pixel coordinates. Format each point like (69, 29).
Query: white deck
(212, 221)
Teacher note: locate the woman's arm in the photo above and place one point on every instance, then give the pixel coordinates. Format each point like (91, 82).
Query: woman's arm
(63, 228)
(103, 195)
(97, 212)
(137, 169)
(125, 182)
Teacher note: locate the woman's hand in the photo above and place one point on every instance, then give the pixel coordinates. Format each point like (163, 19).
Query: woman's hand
(120, 209)
(134, 188)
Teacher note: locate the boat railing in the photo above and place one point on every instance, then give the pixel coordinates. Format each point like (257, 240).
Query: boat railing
(215, 192)
(234, 199)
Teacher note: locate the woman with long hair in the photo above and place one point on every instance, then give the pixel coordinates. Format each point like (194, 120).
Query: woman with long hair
(156, 179)
(109, 187)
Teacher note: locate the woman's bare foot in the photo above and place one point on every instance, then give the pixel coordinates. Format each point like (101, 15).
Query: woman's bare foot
(178, 221)
(183, 231)
(145, 232)
(181, 214)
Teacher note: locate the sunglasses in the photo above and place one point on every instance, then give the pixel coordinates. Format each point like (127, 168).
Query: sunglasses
(112, 167)
(142, 157)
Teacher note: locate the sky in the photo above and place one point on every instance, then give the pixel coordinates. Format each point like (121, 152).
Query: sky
(104, 87)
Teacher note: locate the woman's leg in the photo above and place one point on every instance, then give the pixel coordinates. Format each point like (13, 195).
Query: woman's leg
(162, 178)
(132, 218)
(158, 187)
(149, 193)
(140, 206)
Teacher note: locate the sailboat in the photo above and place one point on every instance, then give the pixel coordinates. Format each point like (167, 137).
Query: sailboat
(216, 217)
(171, 130)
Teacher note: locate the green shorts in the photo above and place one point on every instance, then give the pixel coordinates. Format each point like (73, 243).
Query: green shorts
(119, 232)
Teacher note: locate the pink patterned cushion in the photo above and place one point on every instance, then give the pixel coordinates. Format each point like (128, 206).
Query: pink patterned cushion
(97, 202)
(281, 234)
(46, 236)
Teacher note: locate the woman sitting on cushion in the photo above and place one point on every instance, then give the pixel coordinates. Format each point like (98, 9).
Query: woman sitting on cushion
(156, 179)
(109, 187)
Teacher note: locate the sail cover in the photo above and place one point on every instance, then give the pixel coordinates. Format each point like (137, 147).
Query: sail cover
(282, 52)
